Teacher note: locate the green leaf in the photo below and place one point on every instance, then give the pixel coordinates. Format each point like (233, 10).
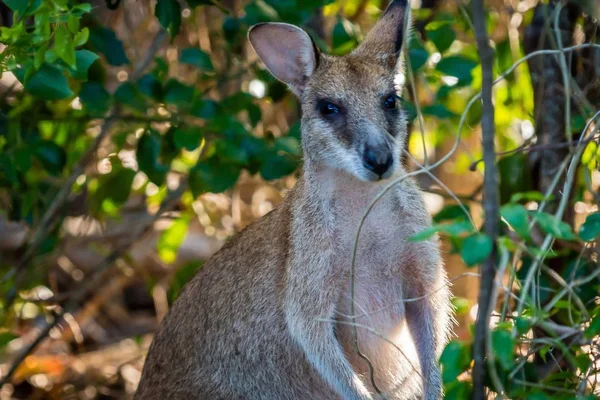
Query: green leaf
(503, 347)
(418, 55)
(104, 41)
(537, 394)
(181, 278)
(438, 110)
(151, 87)
(553, 226)
(457, 66)
(171, 239)
(343, 37)
(168, 13)
(5, 338)
(94, 98)
(81, 37)
(84, 60)
(457, 390)
(129, 95)
(231, 152)
(254, 114)
(590, 229)
(277, 166)
(515, 176)
(52, 156)
(231, 29)
(523, 325)
(197, 58)
(116, 186)
(204, 109)
(516, 216)
(441, 34)
(49, 83)
(17, 6)
(187, 138)
(213, 176)
(583, 361)
(197, 3)
(455, 359)
(476, 248)
(63, 44)
(148, 153)
(461, 305)
(73, 24)
(594, 328)
(177, 93)
(83, 7)
(454, 229)
(450, 212)
(527, 196)
(288, 144)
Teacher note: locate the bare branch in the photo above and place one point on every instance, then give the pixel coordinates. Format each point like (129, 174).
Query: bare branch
(491, 202)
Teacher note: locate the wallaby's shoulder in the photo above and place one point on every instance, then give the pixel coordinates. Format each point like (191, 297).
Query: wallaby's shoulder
(255, 243)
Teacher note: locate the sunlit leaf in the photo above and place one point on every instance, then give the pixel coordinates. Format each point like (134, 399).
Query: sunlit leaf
(171, 239)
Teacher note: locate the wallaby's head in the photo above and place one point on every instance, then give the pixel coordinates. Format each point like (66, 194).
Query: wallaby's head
(351, 116)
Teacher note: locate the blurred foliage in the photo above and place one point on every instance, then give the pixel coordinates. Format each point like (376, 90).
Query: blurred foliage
(200, 113)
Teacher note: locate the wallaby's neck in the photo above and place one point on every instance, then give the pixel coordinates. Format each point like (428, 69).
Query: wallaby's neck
(338, 193)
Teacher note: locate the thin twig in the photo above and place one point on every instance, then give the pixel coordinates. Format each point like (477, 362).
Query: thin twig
(491, 200)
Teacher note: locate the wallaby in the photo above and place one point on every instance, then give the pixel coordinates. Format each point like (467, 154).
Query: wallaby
(269, 316)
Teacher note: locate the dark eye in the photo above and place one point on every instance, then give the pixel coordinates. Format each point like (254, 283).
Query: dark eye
(390, 102)
(328, 109)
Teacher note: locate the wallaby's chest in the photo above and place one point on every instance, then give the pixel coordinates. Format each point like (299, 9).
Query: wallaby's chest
(378, 294)
(381, 241)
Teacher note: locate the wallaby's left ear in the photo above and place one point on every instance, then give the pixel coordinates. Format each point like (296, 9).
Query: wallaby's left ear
(287, 51)
(384, 41)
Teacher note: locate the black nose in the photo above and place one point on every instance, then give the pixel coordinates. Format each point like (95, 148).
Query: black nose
(378, 161)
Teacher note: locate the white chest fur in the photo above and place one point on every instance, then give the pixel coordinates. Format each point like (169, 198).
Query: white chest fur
(378, 283)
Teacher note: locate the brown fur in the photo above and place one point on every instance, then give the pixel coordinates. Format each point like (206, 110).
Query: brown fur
(268, 317)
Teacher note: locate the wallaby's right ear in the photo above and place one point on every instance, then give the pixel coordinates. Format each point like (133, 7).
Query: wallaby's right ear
(287, 51)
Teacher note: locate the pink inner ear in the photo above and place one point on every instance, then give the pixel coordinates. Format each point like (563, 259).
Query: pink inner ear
(286, 50)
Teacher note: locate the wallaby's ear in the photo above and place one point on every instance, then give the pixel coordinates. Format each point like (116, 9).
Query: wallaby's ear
(385, 40)
(287, 51)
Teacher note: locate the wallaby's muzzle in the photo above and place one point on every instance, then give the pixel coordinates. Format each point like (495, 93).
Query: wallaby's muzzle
(378, 160)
